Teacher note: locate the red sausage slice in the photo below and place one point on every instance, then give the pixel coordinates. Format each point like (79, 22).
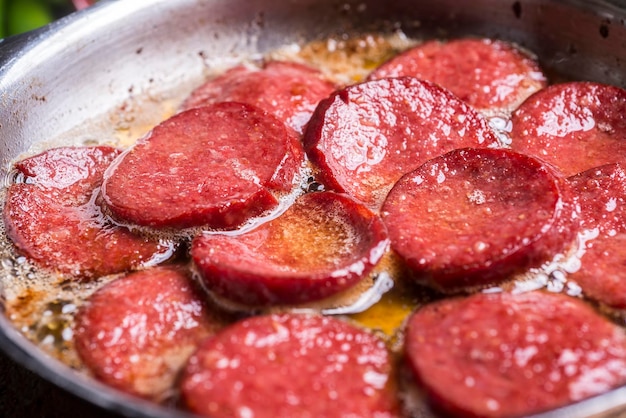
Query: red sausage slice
(137, 332)
(490, 75)
(574, 126)
(217, 166)
(322, 244)
(473, 216)
(506, 355)
(288, 90)
(51, 216)
(601, 275)
(601, 194)
(365, 137)
(290, 366)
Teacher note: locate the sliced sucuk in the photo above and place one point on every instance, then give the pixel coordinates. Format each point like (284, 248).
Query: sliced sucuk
(472, 217)
(601, 194)
(290, 366)
(601, 275)
(216, 166)
(492, 76)
(366, 136)
(323, 244)
(137, 332)
(52, 217)
(574, 126)
(510, 355)
(288, 90)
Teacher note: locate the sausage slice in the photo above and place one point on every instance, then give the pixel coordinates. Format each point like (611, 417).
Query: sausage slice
(511, 355)
(473, 216)
(288, 90)
(601, 194)
(324, 243)
(216, 166)
(137, 332)
(366, 136)
(492, 76)
(574, 126)
(51, 215)
(290, 366)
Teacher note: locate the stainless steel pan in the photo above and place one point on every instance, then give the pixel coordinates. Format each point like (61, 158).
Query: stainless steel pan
(136, 55)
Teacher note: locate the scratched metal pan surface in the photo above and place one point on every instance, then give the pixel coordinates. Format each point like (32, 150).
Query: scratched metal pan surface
(57, 79)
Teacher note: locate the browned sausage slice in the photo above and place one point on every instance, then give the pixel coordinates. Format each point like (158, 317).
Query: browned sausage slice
(52, 217)
(510, 355)
(324, 243)
(473, 216)
(217, 166)
(574, 126)
(137, 332)
(288, 90)
(365, 137)
(290, 366)
(601, 195)
(492, 76)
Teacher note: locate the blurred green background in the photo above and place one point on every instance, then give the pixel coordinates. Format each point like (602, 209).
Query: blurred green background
(17, 16)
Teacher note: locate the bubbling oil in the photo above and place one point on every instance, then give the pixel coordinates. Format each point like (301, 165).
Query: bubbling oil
(42, 304)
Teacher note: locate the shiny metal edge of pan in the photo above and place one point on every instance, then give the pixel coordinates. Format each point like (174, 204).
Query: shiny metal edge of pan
(54, 79)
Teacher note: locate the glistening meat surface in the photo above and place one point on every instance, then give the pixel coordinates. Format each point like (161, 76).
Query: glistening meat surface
(229, 164)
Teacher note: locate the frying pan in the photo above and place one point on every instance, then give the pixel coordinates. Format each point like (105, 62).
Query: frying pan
(119, 64)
